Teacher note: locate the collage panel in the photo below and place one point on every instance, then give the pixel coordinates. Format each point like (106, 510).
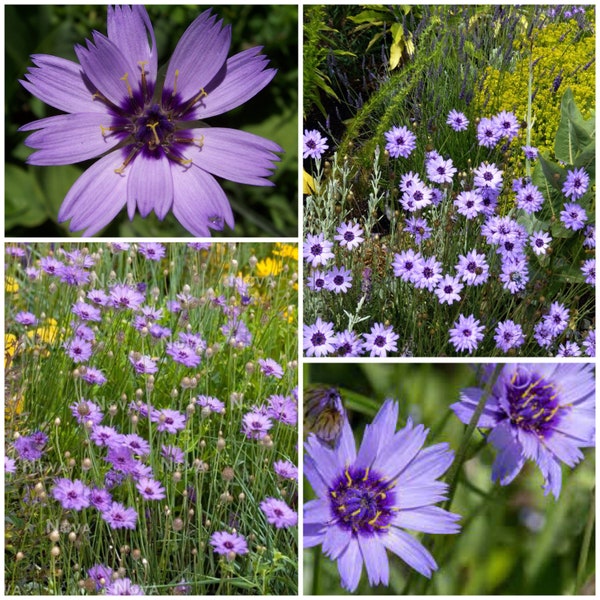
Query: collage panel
(449, 479)
(151, 419)
(449, 181)
(165, 121)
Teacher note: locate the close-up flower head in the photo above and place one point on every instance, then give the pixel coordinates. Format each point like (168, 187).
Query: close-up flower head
(146, 127)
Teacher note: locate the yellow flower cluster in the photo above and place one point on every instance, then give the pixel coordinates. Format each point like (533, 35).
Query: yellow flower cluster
(558, 50)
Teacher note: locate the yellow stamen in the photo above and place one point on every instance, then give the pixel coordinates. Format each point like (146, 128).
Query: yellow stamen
(539, 413)
(125, 78)
(355, 513)
(175, 82)
(131, 156)
(153, 126)
(552, 413)
(366, 474)
(142, 64)
(348, 477)
(374, 519)
(333, 494)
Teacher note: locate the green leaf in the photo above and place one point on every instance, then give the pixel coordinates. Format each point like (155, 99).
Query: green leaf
(555, 174)
(24, 199)
(574, 132)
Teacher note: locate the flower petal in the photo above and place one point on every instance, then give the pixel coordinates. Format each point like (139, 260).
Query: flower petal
(198, 57)
(241, 78)
(128, 28)
(150, 186)
(377, 434)
(428, 519)
(469, 399)
(401, 449)
(313, 535)
(336, 540)
(563, 449)
(96, 197)
(316, 511)
(428, 465)
(108, 69)
(350, 566)
(421, 494)
(235, 155)
(199, 202)
(510, 460)
(62, 84)
(376, 560)
(412, 552)
(68, 139)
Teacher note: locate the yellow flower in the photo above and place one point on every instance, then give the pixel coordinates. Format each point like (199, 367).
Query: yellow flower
(11, 285)
(45, 334)
(286, 250)
(308, 183)
(10, 348)
(268, 267)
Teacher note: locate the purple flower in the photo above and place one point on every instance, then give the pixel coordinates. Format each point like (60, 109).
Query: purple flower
(568, 349)
(86, 312)
(418, 227)
(366, 499)
(440, 170)
(103, 435)
(400, 142)
(26, 318)
(50, 265)
(405, 265)
(473, 268)
(142, 363)
(237, 332)
(181, 353)
(98, 297)
(123, 587)
(338, 280)
(573, 216)
(169, 420)
(72, 274)
(543, 333)
(318, 338)
(448, 290)
(100, 499)
(557, 318)
(542, 412)
(514, 274)
(589, 271)
(316, 281)
(531, 153)
(31, 447)
(314, 144)
(469, 203)
(590, 236)
(78, 349)
(212, 404)
(270, 368)
(417, 197)
(589, 343)
(457, 120)
(506, 124)
(349, 235)
(71, 494)
(100, 575)
(137, 444)
(428, 273)
(173, 454)
(282, 409)
(122, 297)
(348, 343)
(86, 411)
(509, 335)
(381, 340)
(93, 376)
(409, 181)
(152, 250)
(576, 184)
(120, 517)
(317, 250)
(529, 198)
(255, 425)
(466, 333)
(154, 158)
(540, 242)
(488, 134)
(229, 544)
(150, 489)
(487, 178)
(278, 513)
(10, 465)
(286, 470)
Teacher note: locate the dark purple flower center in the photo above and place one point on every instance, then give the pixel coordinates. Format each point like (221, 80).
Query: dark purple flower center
(319, 283)
(418, 196)
(349, 236)
(539, 242)
(428, 272)
(576, 182)
(408, 265)
(488, 176)
(472, 267)
(467, 333)
(400, 140)
(311, 144)
(379, 341)
(470, 203)
(441, 170)
(316, 249)
(533, 402)
(338, 280)
(318, 339)
(361, 500)
(448, 289)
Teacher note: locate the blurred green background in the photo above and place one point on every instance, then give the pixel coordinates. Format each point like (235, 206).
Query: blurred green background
(514, 540)
(34, 194)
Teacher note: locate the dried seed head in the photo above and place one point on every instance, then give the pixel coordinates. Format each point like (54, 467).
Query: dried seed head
(250, 367)
(86, 464)
(54, 536)
(19, 556)
(55, 552)
(177, 524)
(72, 536)
(221, 443)
(136, 554)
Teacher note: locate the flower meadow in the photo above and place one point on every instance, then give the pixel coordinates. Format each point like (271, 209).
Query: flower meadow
(449, 479)
(163, 142)
(434, 225)
(151, 419)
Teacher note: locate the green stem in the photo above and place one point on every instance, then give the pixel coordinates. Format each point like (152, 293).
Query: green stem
(585, 546)
(316, 572)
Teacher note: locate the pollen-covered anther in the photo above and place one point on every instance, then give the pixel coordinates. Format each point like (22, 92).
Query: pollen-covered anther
(156, 141)
(142, 64)
(125, 78)
(197, 141)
